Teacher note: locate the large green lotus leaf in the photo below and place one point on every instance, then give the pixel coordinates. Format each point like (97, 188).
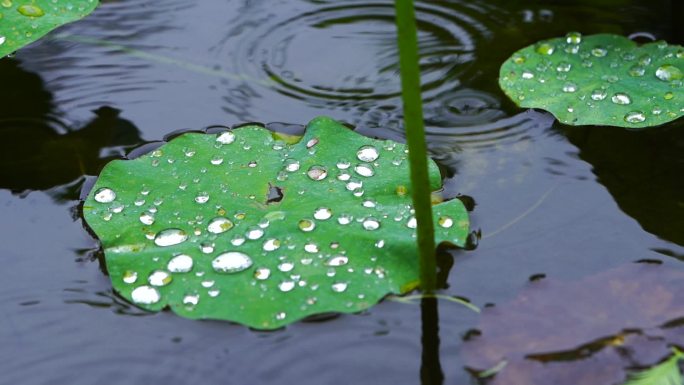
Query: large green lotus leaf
(25, 21)
(599, 79)
(243, 227)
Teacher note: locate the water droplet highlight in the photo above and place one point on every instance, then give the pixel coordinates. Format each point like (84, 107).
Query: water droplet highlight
(219, 225)
(105, 195)
(181, 263)
(170, 237)
(159, 278)
(669, 72)
(231, 262)
(145, 295)
(621, 98)
(367, 154)
(635, 117)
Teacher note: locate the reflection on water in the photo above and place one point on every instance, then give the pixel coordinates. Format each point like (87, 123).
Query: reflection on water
(552, 201)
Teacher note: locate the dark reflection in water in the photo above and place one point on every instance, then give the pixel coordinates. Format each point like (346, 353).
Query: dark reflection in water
(643, 170)
(38, 151)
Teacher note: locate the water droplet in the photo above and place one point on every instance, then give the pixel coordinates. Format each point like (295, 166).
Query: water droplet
(545, 49)
(31, 10)
(216, 160)
(116, 207)
(338, 260)
(271, 244)
(364, 170)
(367, 154)
(635, 117)
(252, 164)
(206, 247)
(105, 195)
(317, 173)
(669, 72)
(621, 98)
(231, 262)
(322, 213)
(254, 232)
(599, 52)
(645, 60)
(129, 276)
(237, 241)
(354, 185)
(339, 287)
(311, 248)
(637, 71)
(145, 295)
(570, 87)
(226, 138)
(371, 224)
(159, 278)
(445, 222)
(214, 292)
(563, 67)
(280, 316)
(527, 75)
(312, 142)
(412, 223)
(343, 164)
(344, 219)
(219, 225)
(286, 286)
(291, 165)
(170, 237)
(306, 225)
(202, 198)
(573, 37)
(207, 284)
(181, 263)
(380, 244)
(286, 267)
(2, 40)
(369, 203)
(191, 300)
(598, 94)
(262, 273)
(147, 218)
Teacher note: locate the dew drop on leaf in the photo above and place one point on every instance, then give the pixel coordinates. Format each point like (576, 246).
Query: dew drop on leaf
(129, 276)
(159, 278)
(219, 225)
(145, 295)
(367, 154)
(306, 225)
(226, 138)
(181, 263)
(105, 195)
(170, 237)
(339, 287)
(262, 273)
(231, 262)
(621, 98)
(635, 117)
(317, 173)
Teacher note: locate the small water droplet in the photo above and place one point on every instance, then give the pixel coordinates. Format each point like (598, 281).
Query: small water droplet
(637, 71)
(105, 195)
(371, 224)
(311, 248)
(280, 316)
(254, 232)
(2, 40)
(344, 219)
(412, 223)
(343, 164)
(599, 52)
(262, 273)
(286, 286)
(339, 287)
(216, 160)
(367, 154)
(338, 260)
(252, 164)
(364, 170)
(159, 278)
(354, 185)
(527, 74)
(181, 263)
(317, 173)
(207, 247)
(237, 241)
(231, 262)
(191, 300)
(226, 138)
(668, 96)
(569, 87)
(202, 198)
(146, 218)
(31, 10)
(291, 165)
(312, 142)
(445, 222)
(669, 72)
(219, 225)
(598, 94)
(207, 284)
(380, 244)
(129, 276)
(214, 292)
(563, 67)
(286, 267)
(322, 213)
(145, 295)
(170, 237)
(635, 117)
(545, 49)
(306, 225)
(621, 98)
(271, 244)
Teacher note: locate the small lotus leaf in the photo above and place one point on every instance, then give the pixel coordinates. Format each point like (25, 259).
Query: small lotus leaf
(598, 80)
(25, 21)
(243, 227)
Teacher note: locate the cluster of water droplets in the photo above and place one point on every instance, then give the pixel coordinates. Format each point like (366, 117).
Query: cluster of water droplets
(555, 61)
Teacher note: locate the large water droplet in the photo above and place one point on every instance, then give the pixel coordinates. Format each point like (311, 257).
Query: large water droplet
(412, 223)
(2, 40)
(322, 213)
(635, 117)
(262, 273)
(271, 244)
(317, 173)
(147, 218)
(291, 165)
(364, 170)
(159, 278)
(371, 224)
(621, 98)
(170, 237)
(219, 225)
(311, 248)
(231, 262)
(286, 286)
(367, 154)
(31, 10)
(181, 263)
(339, 287)
(105, 195)
(145, 295)
(598, 94)
(669, 72)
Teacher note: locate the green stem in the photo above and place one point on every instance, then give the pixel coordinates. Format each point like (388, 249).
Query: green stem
(415, 136)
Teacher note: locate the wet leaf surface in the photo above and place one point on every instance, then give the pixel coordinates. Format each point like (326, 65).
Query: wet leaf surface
(244, 227)
(598, 80)
(25, 21)
(585, 332)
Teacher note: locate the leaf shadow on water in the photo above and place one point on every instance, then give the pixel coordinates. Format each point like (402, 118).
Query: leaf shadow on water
(591, 331)
(642, 170)
(39, 151)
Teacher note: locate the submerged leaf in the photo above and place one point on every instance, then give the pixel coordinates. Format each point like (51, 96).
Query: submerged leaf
(599, 79)
(242, 227)
(25, 21)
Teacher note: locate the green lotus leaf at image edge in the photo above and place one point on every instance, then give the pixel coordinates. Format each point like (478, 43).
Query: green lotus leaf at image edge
(25, 21)
(598, 80)
(191, 225)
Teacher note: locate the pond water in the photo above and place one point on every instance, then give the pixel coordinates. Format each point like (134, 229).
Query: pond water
(560, 209)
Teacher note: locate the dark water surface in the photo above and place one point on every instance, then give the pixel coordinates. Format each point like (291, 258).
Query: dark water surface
(578, 205)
